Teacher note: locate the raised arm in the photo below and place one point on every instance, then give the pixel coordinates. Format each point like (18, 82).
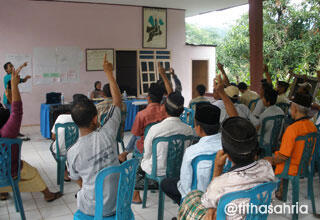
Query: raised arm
(114, 89)
(177, 82)
(165, 79)
(265, 70)
(229, 106)
(227, 82)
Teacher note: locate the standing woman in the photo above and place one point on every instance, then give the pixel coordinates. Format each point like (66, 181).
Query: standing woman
(96, 93)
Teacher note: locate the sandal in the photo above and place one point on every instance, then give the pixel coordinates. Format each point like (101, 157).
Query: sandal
(4, 196)
(57, 195)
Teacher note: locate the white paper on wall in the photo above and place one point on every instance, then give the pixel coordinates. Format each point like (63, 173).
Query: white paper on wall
(57, 65)
(17, 60)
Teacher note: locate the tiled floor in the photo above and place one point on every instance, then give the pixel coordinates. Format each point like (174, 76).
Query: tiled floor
(36, 152)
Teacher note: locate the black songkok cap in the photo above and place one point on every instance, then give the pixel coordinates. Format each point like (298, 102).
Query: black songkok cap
(239, 136)
(208, 114)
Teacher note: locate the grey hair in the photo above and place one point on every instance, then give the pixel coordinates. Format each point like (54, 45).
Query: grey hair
(302, 109)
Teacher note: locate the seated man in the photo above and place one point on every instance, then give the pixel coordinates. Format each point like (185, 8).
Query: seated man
(207, 126)
(30, 179)
(282, 88)
(104, 107)
(172, 125)
(269, 100)
(95, 150)
(240, 145)
(63, 118)
(154, 112)
(290, 149)
(243, 111)
(201, 90)
(259, 108)
(246, 94)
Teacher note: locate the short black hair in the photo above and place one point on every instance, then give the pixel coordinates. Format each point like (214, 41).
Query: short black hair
(95, 84)
(242, 86)
(106, 90)
(177, 99)
(201, 89)
(79, 98)
(162, 86)
(4, 115)
(83, 112)
(283, 85)
(270, 95)
(5, 66)
(233, 84)
(155, 93)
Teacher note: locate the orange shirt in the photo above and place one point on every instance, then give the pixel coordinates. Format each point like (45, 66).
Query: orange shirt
(153, 113)
(292, 149)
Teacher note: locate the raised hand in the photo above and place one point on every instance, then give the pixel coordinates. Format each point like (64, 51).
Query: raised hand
(107, 67)
(15, 78)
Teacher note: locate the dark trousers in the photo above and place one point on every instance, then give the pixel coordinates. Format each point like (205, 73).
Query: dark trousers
(170, 188)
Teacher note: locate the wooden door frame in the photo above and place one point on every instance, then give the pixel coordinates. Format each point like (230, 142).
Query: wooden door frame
(191, 75)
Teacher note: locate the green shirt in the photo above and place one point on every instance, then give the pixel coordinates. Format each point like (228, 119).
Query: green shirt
(6, 79)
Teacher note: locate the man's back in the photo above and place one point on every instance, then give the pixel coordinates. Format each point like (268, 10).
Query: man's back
(207, 145)
(168, 127)
(272, 110)
(91, 154)
(292, 149)
(248, 96)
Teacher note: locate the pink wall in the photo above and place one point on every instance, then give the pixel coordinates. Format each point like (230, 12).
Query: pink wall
(25, 25)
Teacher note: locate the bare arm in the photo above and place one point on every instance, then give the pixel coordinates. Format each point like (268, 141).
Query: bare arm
(211, 214)
(219, 85)
(165, 79)
(227, 82)
(14, 86)
(265, 70)
(277, 159)
(114, 89)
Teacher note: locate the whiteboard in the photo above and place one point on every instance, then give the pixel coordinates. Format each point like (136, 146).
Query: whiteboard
(17, 60)
(56, 65)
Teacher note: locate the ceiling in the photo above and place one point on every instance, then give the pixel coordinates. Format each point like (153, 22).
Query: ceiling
(192, 7)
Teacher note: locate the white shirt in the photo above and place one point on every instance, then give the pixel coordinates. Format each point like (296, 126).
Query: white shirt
(168, 127)
(64, 118)
(88, 156)
(283, 99)
(272, 110)
(243, 111)
(259, 108)
(206, 145)
(242, 178)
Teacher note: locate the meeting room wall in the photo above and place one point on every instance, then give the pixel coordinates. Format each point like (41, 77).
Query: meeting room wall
(25, 25)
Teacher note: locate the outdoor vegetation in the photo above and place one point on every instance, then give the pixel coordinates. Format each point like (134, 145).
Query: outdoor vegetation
(291, 40)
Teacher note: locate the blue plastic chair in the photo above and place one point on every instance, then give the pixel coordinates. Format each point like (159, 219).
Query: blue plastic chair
(252, 104)
(6, 178)
(126, 183)
(209, 157)
(258, 195)
(284, 106)
(187, 116)
(119, 137)
(271, 144)
(71, 135)
(176, 147)
(305, 166)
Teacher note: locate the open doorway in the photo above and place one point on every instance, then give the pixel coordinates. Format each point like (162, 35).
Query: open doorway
(199, 75)
(126, 71)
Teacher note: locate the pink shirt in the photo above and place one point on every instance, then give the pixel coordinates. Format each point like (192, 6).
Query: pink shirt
(153, 113)
(11, 130)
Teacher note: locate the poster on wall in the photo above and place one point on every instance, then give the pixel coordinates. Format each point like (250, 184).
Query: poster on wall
(56, 65)
(154, 33)
(17, 60)
(94, 58)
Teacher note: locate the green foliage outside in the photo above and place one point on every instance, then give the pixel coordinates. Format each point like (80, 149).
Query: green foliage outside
(291, 41)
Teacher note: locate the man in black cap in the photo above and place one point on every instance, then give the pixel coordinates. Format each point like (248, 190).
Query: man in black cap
(207, 127)
(240, 145)
(290, 149)
(282, 88)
